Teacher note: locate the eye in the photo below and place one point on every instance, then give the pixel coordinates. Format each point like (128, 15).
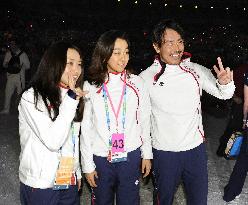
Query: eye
(181, 42)
(70, 63)
(168, 43)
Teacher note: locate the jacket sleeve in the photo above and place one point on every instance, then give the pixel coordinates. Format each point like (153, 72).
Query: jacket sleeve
(211, 85)
(145, 114)
(87, 133)
(6, 59)
(78, 168)
(52, 134)
(25, 61)
(77, 155)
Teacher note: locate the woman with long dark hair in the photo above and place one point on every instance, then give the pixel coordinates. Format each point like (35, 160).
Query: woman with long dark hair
(115, 140)
(50, 112)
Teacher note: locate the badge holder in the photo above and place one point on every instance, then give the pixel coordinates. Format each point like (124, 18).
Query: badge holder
(65, 175)
(117, 153)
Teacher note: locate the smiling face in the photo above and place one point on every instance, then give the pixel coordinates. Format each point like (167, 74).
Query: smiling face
(172, 47)
(120, 56)
(73, 67)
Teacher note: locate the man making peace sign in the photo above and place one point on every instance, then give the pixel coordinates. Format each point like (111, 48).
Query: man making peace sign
(175, 86)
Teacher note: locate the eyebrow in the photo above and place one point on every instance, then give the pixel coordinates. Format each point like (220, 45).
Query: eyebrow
(73, 59)
(180, 39)
(120, 48)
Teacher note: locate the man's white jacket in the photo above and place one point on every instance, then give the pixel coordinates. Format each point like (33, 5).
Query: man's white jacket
(94, 128)
(175, 101)
(44, 141)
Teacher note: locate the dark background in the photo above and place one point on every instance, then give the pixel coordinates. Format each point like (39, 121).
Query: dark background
(210, 32)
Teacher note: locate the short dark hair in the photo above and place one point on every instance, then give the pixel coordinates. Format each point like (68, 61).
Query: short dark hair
(160, 28)
(14, 39)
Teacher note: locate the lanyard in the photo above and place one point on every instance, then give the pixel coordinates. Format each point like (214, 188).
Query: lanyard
(73, 139)
(116, 113)
(124, 94)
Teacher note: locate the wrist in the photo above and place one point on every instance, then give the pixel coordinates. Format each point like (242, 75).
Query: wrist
(72, 94)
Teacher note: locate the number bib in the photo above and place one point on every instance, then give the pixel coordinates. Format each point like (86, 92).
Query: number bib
(118, 153)
(65, 175)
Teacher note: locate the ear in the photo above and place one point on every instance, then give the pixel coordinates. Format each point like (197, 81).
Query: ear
(156, 47)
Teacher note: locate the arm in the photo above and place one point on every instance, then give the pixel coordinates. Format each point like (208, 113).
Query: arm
(6, 59)
(25, 61)
(146, 148)
(145, 114)
(77, 162)
(79, 177)
(51, 133)
(212, 86)
(87, 132)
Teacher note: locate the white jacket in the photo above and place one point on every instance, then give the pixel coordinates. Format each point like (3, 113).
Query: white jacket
(41, 139)
(175, 101)
(94, 130)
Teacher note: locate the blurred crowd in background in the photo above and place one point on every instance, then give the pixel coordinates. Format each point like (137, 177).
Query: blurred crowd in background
(219, 31)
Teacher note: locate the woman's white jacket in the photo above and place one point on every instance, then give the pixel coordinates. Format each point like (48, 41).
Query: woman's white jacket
(95, 134)
(44, 141)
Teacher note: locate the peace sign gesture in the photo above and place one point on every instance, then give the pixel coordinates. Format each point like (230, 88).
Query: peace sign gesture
(224, 75)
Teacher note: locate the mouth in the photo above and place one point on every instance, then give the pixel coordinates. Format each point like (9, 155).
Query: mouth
(176, 55)
(75, 77)
(122, 65)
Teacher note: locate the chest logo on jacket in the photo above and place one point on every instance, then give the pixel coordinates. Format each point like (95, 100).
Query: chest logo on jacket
(161, 83)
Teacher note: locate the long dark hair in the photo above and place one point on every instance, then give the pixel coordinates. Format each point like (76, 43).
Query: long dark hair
(103, 50)
(47, 78)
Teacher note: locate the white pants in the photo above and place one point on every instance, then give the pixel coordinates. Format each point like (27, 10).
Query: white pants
(14, 81)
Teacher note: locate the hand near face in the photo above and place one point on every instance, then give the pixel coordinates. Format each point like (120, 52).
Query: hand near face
(80, 93)
(224, 75)
(72, 83)
(71, 80)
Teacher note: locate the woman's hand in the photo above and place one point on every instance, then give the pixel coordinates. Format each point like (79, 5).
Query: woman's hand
(146, 167)
(80, 93)
(90, 177)
(71, 80)
(79, 182)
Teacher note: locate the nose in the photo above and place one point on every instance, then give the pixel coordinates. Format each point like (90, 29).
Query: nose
(77, 69)
(124, 56)
(177, 46)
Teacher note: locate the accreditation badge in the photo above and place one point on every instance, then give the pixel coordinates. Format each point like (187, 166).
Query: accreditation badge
(65, 175)
(118, 153)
